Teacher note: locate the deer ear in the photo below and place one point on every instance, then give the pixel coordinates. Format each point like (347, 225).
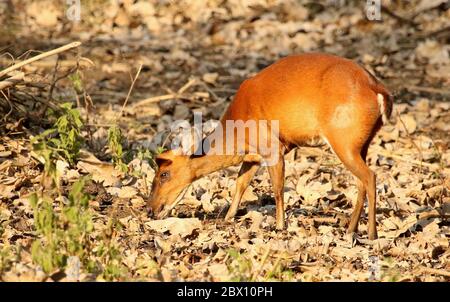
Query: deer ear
(165, 158)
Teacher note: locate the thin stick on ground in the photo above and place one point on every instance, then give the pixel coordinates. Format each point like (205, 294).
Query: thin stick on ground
(429, 89)
(129, 92)
(191, 82)
(9, 104)
(411, 161)
(433, 271)
(39, 57)
(11, 81)
(172, 95)
(155, 99)
(404, 20)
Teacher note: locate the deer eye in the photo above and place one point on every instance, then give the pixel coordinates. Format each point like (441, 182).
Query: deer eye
(164, 176)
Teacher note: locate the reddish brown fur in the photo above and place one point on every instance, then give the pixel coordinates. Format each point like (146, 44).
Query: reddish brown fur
(311, 95)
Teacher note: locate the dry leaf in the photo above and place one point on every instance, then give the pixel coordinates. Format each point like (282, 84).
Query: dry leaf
(101, 172)
(176, 226)
(210, 78)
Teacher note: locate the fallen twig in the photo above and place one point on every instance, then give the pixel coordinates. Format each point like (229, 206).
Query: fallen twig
(163, 97)
(214, 95)
(155, 99)
(39, 57)
(397, 17)
(9, 104)
(11, 81)
(435, 271)
(82, 62)
(411, 161)
(428, 89)
(180, 94)
(325, 220)
(426, 9)
(191, 82)
(129, 91)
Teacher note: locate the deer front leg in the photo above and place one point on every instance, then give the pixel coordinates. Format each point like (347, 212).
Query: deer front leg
(246, 173)
(276, 172)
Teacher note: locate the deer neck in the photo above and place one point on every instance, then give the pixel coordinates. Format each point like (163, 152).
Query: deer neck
(207, 164)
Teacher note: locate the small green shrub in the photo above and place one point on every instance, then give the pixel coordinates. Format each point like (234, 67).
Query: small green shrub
(70, 232)
(64, 233)
(239, 266)
(8, 255)
(63, 140)
(115, 144)
(66, 229)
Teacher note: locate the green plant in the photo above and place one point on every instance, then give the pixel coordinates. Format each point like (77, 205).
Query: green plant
(62, 233)
(69, 231)
(109, 254)
(8, 255)
(239, 266)
(145, 154)
(115, 144)
(279, 273)
(77, 83)
(160, 150)
(389, 270)
(146, 267)
(3, 222)
(121, 158)
(63, 140)
(66, 229)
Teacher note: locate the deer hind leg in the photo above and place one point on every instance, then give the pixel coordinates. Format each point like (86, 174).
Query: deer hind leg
(246, 173)
(276, 172)
(353, 158)
(362, 194)
(356, 214)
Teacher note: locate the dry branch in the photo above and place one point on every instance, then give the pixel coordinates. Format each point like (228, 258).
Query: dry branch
(180, 94)
(433, 271)
(408, 160)
(39, 57)
(82, 62)
(129, 91)
(428, 89)
(399, 18)
(13, 80)
(155, 99)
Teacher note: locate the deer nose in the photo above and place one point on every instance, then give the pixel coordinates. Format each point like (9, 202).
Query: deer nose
(149, 210)
(153, 210)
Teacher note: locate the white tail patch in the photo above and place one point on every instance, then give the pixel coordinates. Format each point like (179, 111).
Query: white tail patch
(380, 100)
